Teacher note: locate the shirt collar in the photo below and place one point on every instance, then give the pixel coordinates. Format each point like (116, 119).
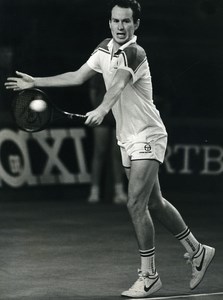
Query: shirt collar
(111, 43)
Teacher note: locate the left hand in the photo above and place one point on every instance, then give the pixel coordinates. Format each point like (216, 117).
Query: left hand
(21, 82)
(94, 117)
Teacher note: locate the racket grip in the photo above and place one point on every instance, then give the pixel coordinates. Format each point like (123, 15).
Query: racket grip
(80, 116)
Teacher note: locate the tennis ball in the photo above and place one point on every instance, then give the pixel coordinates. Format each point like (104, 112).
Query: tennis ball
(38, 105)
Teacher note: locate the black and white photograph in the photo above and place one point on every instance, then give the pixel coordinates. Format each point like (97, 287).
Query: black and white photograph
(111, 149)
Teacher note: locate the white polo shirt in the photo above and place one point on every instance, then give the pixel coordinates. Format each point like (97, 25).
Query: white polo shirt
(135, 113)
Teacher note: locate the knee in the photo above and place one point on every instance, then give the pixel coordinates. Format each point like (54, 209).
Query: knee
(156, 203)
(136, 208)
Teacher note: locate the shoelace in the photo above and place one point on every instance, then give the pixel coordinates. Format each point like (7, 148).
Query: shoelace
(138, 284)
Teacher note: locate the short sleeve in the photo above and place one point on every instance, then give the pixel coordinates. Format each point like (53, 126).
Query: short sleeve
(94, 60)
(133, 59)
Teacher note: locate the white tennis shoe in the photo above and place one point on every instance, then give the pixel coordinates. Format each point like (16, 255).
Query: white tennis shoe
(199, 264)
(144, 286)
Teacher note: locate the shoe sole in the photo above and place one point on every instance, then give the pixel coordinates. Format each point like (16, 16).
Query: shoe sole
(212, 254)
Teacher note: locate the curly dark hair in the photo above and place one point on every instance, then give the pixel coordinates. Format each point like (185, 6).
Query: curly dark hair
(133, 4)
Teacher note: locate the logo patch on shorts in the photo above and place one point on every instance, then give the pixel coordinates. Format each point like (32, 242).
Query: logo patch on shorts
(147, 148)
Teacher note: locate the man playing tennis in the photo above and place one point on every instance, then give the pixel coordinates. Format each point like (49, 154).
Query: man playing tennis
(141, 136)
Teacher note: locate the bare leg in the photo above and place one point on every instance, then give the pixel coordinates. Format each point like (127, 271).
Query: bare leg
(142, 177)
(146, 185)
(144, 193)
(164, 211)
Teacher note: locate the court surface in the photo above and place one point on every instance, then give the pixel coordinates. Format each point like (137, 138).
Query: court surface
(67, 249)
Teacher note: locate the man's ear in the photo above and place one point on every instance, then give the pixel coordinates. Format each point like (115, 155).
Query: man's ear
(137, 24)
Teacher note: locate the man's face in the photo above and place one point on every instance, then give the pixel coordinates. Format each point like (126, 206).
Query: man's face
(122, 25)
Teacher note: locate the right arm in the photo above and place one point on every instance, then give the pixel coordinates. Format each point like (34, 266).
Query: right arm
(24, 81)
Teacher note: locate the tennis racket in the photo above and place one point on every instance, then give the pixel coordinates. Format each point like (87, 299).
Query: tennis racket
(31, 120)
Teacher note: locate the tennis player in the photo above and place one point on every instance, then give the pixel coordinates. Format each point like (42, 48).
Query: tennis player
(142, 138)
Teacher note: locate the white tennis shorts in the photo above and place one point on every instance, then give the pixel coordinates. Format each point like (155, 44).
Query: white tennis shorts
(144, 148)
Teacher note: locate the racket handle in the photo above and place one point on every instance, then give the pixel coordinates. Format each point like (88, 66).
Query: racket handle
(80, 116)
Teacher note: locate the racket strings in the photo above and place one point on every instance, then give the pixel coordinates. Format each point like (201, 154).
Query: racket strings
(25, 117)
(31, 120)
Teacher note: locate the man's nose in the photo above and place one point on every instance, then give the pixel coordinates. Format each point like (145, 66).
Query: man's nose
(120, 26)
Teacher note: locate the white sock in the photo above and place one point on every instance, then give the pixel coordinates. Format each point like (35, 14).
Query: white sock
(148, 261)
(189, 242)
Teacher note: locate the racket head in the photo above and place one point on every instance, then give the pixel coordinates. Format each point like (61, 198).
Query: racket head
(26, 118)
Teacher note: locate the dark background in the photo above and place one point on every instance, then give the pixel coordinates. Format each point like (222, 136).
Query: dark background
(183, 41)
(184, 44)
(49, 249)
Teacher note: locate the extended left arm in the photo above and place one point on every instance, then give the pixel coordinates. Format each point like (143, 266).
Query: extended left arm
(96, 116)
